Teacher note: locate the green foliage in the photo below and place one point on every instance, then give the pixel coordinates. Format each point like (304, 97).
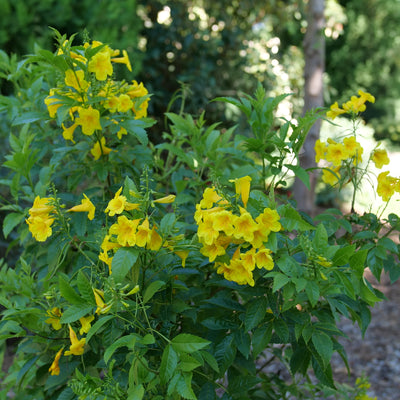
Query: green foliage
(122, 290)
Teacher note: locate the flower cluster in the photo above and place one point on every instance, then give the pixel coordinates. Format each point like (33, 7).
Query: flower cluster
(131, 229)
(41, 219)
(387, 186)
(339, 155)
(219, 227)
(353, 107)
(90, 101)
(41, 216)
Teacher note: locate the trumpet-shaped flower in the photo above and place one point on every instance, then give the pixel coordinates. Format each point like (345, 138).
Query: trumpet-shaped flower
(101, 65)
(76, 80)
(166, 199)
(380, 158)
(336, 153)
(269, 220)
(54, 367)
(102, 307)
(264, 259)
(118, 204)
(68, 133)
(140, 109)
(353, 149)
(206, 232)
(210, 196)
(154, 242)
(126, 231)
(85, 324)
(183, 255)
(100, 149)
(55, 315)
(85, 206)
(223, 221)
(40, 227)
(212, 251)
(386, 186)
(89, 120)
(41, 207)
(77, 346)
(123, 60)
(331, 176)
(335, 111)
(320, 150)
(137, 90)
(245, 226)
(124, 103)
(52, 103)
(242, 188)
(143, 233)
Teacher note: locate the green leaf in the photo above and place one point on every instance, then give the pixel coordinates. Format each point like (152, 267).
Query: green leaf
(125, 341)
(187, 343)
(281, 329)
(188, 363)
(136, 393)
(151, 290)
(312, 291)
(136, 127)
(167, 223)
(357, 262)
(280, 280)
(343, 255)
(323, 346)
(320, 240)
(97, 325)
(10, 222)
(388, 244)
(301, 173)
(292, 220)
(255, 313)
(85, 288)
(122, 262)
(261, 338)
(210, 360)
(184, 386)
(225, 353)
(68, 292)
(169, 362)
(75, 312)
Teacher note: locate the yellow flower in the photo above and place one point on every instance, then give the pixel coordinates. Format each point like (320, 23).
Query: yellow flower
(100, 149)
(124, 103)
(236, 271)
(86, 324)
(85, 206)
(68, 133)
(366, 96)
(76, 80)
(336, 153)
(102, 307)
(260, 236)
(140, 110)
(223, 221)
(125, 229)
(166, 200)
(334, 111)
(103, 256)
(264, 259)
(331, 176)
(123, 60)
(154, 242)
(143, 233)
(112, 104)
(40, 227)
(386, 186)
(55, 315)
(54, 367)
(41, 207)
(101, 65)
(77, 346)
(183, 255)
(52, 103)
(353, 149)
(320, 150)
(269, 220)
(89, 119)
(137, 90)
(119, 204)
(380, 158)
(213, 250)
(210, 196)
(242, 188)
(245, 226)
(206, 232)
(106, 245)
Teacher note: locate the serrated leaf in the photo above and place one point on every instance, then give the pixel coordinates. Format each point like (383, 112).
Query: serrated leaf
(136, 127)
(300, 173)
(280, 280)
(188, 363)
(97, 325)
(323, 345)
(210, 360)
(75, 312)
(225, 353)
(187, 343)
(125, 341)
(255, 313)
(292, 220)
(151, 290)
(10, 222)
(184, 386)
(343, 255)
(261, 338)
(122, 262)
(68, 292)
(312, 291)
(136, 393)
(169, 362)
(85, 288)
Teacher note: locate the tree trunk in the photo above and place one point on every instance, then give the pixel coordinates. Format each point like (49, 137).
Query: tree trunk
(314, 54)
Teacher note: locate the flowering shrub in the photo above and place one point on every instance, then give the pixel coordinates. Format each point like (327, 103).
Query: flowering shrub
(122, 290)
